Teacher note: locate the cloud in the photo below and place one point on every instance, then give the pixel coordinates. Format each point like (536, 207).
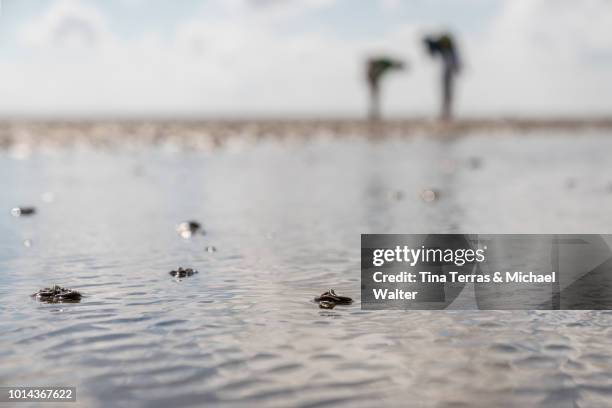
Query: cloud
(544, 57)
(237, 56)
(68, 23)
(230, 65)
(277, 8)
(390, 5)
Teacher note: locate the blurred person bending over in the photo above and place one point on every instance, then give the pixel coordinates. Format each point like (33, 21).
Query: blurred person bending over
(376, 68)
(445, 47)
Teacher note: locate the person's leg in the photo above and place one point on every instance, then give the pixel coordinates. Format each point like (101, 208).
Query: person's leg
(374, 101)
(447, 93)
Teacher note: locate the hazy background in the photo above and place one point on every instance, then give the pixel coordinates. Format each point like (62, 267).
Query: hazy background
(284, 202)
(299, 57)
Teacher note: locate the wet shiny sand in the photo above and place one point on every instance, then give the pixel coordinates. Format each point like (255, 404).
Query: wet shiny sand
(285, 216)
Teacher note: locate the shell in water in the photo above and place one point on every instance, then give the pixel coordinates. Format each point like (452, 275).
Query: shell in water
(57, 294)
(332, 296)
(183, 272)
(189, 228)
(21, 211)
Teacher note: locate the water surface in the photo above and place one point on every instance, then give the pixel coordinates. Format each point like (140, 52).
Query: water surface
(286, 217)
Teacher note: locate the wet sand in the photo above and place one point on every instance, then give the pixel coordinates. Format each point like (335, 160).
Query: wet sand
(286, 220)
(211, 133)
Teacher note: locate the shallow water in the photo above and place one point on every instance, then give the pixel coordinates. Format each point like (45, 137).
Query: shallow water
(286, 218)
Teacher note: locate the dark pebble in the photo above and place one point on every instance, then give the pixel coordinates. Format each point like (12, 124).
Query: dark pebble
(183, 272)
(19, 211)
(57, 294)
(188, 228)
(332, 297)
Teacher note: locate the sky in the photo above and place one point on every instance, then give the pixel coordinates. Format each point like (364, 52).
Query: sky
(271, 58)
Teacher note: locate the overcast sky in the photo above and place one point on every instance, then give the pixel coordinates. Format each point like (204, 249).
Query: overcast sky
(299, 57)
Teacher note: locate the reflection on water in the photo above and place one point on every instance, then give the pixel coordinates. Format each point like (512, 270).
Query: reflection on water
(283, 223)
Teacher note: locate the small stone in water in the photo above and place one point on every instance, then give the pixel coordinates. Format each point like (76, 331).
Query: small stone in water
(183, 272)
(329, 300)
(396, 195)
(429, 195)
(19, 211)
(189, 228)
(57, 294)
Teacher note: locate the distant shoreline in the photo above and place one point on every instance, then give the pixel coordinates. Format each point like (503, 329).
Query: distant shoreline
(207, 133)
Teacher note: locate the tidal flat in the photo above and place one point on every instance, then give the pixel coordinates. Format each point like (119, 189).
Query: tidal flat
(284, 215)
